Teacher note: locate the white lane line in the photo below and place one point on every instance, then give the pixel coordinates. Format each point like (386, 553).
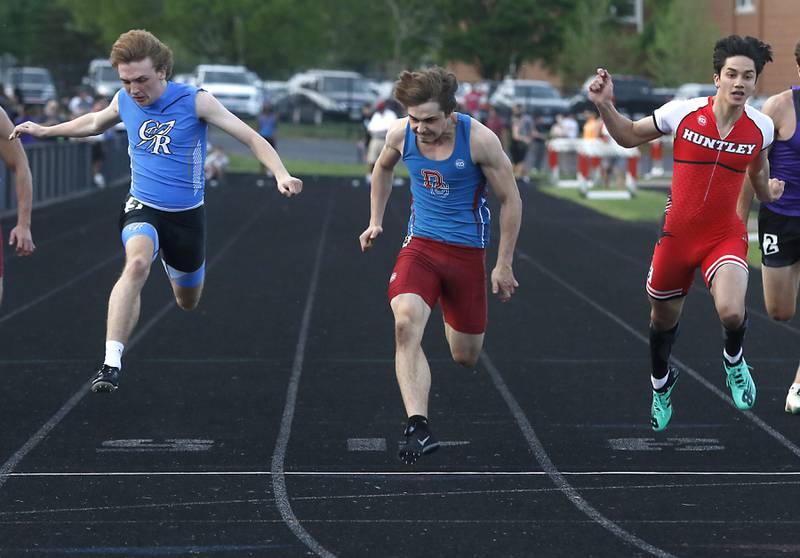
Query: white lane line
(405, 494)
(279, 455)
(48, 426)
(695, 287)
(750, 415)
(422, 474)
(552, 471)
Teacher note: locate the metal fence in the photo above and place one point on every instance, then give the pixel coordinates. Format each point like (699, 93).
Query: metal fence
(63, 169)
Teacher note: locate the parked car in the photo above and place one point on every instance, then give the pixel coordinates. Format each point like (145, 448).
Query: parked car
(103, 78)
(536, 97)
(692, 90)
(317, 95)
(274, 91)
(633, 96)
(183, 78)
(233, 86)
(35, 84)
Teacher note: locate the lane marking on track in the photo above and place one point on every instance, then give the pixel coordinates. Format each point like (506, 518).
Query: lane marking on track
(556, 477)
(76, 398)
(279, 454)
(405, 494)
(750, 415)
(29, 474)
(695, 288)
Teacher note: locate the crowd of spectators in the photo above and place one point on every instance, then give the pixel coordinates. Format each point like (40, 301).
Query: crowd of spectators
(57, 111)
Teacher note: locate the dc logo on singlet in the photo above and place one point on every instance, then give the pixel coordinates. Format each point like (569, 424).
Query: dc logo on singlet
(434, 182)
(770, 244)
(155, 136)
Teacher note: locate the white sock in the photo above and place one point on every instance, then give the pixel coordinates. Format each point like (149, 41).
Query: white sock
(114, 354)
(732, 359)
(658, 383)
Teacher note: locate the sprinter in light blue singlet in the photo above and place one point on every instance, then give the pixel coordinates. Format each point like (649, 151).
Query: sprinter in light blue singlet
(451, 159)
(163, 213)
(167, 146)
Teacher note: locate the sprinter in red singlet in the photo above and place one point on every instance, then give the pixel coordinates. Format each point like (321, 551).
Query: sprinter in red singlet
(717, 141)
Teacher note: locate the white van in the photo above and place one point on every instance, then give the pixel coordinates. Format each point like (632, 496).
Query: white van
(103, 78)
(234, 86)
(35, 84)
(315, 95)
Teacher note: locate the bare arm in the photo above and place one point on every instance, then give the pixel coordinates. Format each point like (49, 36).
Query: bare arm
(745, 200)
(211, 110)
(766, 189)
(89, 124)
(381, 182)
(488, 153)
(16, 160)
(780, 108)
(624, 131)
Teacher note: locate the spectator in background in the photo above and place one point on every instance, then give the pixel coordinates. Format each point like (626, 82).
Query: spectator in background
(52, 114)
(378, 125)
(569, 125)
(268, 124)
(521, 137)
(539, 133)
(557, 129)
(216, 165)
(366, 116)
(98, 147)
(7, 103)
(472, 102)
(23, 115)
(496, 124)
(593, 126)
(81, 103)
(267, 129)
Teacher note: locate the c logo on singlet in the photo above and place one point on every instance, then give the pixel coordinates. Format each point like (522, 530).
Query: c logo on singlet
(433, 181)
(156, 136)
(132, 204)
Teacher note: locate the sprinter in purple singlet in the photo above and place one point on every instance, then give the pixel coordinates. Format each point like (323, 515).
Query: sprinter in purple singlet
(779, 221)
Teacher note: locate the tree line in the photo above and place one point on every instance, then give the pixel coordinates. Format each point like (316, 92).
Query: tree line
(276, 38)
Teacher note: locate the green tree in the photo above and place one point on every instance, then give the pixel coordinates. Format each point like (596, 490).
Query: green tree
(41, 33)
(596, 39)
(498, 35)
(682, 44)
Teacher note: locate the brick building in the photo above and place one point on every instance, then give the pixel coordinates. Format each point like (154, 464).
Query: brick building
(776, 22)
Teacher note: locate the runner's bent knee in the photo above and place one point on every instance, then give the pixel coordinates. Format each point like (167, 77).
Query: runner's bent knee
(188, 299)
(779, 311)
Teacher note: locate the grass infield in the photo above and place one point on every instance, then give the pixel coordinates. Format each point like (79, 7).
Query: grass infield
(646, 206)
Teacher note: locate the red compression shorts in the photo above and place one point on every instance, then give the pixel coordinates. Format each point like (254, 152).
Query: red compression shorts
(674, 261)
(456, 275)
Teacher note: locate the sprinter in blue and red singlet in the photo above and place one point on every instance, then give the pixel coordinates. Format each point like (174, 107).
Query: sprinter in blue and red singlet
(163, 213)
(779, 221)
(452, 159)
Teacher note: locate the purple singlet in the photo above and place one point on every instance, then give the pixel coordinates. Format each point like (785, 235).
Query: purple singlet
(784, 163)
